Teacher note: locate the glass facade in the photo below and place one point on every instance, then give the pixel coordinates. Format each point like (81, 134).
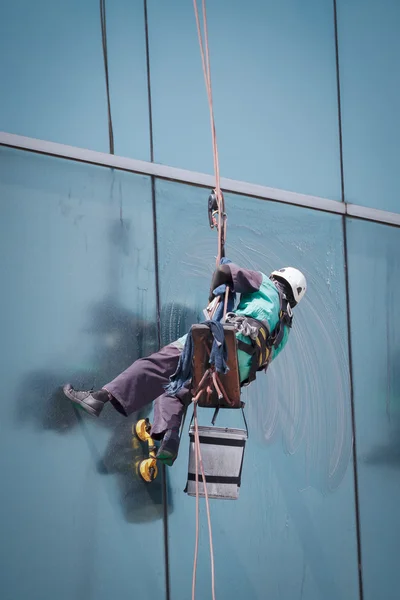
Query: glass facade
(52, 67)
(274, 91)
(369, 47)
(98, 264)
(375, 328)
(78, 303)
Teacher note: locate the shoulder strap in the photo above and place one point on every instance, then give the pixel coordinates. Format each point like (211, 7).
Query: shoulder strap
(285, 319)
(248, 348)
(259, 348)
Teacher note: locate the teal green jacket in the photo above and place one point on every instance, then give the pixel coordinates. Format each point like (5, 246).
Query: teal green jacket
(264, 306)
(259, 299)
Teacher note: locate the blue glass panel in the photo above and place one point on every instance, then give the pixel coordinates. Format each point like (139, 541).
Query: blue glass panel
(274, 87)
(292, 532)
(375, 327)
(52, 74)
(128, 78)
(77, 304)
(369, 47)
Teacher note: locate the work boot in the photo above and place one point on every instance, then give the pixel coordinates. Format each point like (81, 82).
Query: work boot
(168, 450)
(92, 402)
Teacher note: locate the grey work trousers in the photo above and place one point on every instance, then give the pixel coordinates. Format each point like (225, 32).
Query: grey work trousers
(143, 382)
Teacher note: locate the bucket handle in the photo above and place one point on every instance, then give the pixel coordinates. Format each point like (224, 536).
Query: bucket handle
(242, 405)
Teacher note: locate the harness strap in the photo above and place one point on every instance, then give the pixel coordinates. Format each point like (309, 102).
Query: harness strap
(260, 348)
(285, 319)
(261, 339)
(248, 348)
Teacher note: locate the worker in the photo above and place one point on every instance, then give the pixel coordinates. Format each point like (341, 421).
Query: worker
(264, 311)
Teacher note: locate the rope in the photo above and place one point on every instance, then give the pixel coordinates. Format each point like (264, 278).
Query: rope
(205, 59)
(221, 226)
(196, 546)
(199, 461)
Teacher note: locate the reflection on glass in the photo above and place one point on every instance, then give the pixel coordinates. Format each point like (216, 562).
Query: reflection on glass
(77, 268)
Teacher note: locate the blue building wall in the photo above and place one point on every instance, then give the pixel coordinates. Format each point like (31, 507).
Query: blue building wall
(86, 274)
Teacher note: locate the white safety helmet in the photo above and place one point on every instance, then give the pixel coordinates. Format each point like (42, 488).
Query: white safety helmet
(295, 279)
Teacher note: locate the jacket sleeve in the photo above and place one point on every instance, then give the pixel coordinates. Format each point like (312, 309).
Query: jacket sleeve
(244, 281)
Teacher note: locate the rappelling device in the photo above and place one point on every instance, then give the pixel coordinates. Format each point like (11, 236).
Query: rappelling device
(217, 218)
(212, 210)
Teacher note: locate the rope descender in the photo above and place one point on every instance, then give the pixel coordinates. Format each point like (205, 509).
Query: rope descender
(213, 210)
(217, 219)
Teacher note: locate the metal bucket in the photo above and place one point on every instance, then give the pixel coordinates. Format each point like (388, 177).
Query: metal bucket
(222, 451)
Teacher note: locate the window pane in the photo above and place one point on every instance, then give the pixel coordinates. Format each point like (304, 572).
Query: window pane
(375, 327)
(52, 74)
(292, 531)
(369, 46)
(274, 88)
(78, 304)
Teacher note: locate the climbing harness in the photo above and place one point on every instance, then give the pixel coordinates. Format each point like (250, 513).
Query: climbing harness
(262, 341)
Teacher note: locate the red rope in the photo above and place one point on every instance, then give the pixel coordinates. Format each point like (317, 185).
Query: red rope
(199, 461)
(205, 59)
(196, 547)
